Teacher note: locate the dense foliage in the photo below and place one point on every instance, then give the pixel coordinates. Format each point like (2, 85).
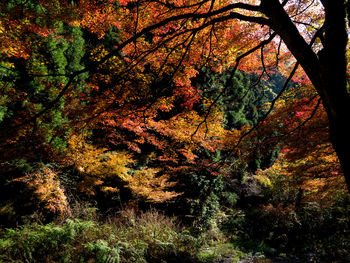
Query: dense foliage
(174, 131)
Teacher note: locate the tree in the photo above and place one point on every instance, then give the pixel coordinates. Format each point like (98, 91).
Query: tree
(176, 38)
(319, 47)
(326, 69)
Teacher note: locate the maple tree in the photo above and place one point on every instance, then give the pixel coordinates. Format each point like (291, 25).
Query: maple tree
(314, 32)
(125, 70)
(173, 36)
(99, 164)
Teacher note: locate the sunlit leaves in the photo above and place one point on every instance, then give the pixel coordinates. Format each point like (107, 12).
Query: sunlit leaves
(46, 187)
(308, 160)
(151, 186)
(125, 69)
(98, 164)
(95, 163)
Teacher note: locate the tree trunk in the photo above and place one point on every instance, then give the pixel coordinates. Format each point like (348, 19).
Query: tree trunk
(333, 89)
(340, 138)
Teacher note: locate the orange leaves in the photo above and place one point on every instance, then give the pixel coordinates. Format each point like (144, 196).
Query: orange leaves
(148, 184)
(181, 43)
(47, 189)
(96, 17)
(98, 164)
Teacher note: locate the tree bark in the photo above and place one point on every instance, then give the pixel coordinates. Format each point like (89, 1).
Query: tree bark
(334, 76)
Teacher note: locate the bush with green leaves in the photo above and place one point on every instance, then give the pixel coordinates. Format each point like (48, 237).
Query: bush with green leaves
(129, 237)
(200, 200)
(38, 243)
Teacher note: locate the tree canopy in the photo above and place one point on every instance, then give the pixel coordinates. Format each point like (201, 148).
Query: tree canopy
(116, 80)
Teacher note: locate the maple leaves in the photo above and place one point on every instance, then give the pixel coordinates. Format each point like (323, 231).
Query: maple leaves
(151, 186)
(97, 17)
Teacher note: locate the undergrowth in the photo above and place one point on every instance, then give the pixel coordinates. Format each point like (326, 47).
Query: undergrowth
(126, 237)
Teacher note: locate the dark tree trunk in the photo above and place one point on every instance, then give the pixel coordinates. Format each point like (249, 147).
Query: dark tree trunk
(335, 93)
(327, 70)
(340, 138)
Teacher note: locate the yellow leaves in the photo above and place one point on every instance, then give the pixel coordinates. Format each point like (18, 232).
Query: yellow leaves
(95, 163)
(110, 189)
(2, 28)
(147, 184)
(47, 190)
(191, 128)
(98, 53)
(263, 178)
(98, 164)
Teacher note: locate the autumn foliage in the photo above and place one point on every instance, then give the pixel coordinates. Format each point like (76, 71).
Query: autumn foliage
(110, 91)
(307, 160)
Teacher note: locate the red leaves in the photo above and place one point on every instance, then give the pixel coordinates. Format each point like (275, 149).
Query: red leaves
(125, 2)
(308, 160)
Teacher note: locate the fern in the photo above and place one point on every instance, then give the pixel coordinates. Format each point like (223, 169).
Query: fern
(104, 253)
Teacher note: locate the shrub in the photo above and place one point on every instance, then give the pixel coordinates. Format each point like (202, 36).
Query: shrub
(147, 237)
(37, 243)
(103, 252)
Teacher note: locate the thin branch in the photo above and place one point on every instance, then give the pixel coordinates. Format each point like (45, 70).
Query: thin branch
(306, 8)
(263, 62)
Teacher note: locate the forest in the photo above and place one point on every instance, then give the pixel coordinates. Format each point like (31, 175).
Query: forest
(165, 131)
